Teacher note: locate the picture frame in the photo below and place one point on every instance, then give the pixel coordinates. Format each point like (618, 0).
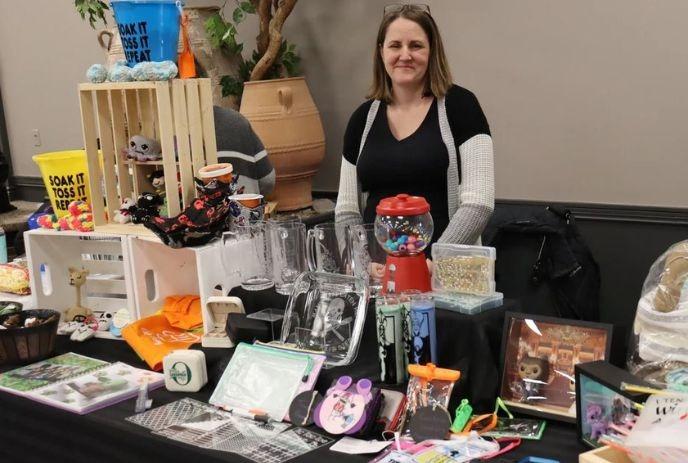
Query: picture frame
(538, 357)
(600, 401)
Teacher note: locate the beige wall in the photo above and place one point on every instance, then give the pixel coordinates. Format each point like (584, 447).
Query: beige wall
(45, 49)
(586, 99)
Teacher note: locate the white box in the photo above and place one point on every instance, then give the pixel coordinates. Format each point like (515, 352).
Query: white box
(185, 370)
(159, 271)
(108, 285)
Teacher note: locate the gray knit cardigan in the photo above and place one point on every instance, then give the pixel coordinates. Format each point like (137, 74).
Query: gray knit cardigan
(470, 201)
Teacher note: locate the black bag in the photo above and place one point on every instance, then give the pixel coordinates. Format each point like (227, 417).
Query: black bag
(543, 261)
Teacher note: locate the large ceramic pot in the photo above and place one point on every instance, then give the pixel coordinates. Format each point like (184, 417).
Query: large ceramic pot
(284, 116)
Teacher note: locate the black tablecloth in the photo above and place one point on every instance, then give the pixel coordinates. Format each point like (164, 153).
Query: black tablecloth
(34, 432)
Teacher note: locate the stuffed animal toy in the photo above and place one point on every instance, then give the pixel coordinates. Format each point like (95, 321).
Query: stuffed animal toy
(143, 149)
(157, 180)
(204, 219)
(147, 206)
(144, 71)
(123, 214)
(79, 218)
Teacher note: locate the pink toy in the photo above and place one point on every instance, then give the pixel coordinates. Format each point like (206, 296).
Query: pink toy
(345, 407)
(595, 418)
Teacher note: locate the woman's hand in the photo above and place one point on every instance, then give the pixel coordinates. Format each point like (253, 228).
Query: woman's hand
(429, 262)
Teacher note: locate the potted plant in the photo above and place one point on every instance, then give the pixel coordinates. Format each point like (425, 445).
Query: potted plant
(278, 104)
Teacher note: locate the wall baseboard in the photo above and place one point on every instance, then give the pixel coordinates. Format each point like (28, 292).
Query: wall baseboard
(27, 188)
(585, 211)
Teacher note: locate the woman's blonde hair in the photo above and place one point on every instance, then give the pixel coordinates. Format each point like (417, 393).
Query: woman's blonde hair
(438, 78)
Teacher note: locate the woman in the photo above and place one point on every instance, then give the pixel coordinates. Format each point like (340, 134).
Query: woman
(418, 134)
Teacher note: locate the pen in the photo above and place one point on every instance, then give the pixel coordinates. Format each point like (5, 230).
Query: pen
(256, 415)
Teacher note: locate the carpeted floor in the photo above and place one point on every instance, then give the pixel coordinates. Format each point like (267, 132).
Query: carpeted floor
(15, 221)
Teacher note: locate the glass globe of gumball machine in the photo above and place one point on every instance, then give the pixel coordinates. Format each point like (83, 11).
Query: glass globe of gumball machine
(403, 227)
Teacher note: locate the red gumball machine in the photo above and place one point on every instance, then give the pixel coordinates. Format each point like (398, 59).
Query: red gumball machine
(403, 227)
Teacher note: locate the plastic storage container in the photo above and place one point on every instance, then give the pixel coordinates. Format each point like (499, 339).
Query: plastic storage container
(467, 303)
(463, 269)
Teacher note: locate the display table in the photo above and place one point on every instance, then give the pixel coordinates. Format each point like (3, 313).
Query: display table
(35, 432)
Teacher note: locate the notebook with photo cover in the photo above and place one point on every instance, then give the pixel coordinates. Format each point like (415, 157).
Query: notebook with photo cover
(78, 384)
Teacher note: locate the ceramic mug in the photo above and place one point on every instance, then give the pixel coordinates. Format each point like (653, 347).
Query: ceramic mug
(246, 208)
(222, 172)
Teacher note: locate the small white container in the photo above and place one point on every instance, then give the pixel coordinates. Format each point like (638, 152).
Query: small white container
(185, 370)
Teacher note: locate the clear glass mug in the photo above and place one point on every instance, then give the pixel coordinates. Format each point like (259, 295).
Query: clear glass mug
(327, 249)
(287, 253)
(256, 269)
(368, 258)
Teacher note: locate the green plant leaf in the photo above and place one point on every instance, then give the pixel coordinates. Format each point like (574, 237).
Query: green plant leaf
(238, 15)
(248, 7)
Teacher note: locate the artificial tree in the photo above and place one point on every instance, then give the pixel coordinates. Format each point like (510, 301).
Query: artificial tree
(273, 57)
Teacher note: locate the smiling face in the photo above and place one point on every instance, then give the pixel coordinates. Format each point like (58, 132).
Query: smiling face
(405, 53)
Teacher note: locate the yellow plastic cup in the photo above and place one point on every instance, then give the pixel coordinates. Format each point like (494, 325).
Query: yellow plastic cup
(65, 174)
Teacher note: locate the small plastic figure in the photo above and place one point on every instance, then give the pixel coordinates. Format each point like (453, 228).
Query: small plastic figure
(594, 415)
(533, 372)
(77, 278)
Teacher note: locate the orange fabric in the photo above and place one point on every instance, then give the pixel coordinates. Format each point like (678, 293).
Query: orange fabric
(183, 311)
(153, 337)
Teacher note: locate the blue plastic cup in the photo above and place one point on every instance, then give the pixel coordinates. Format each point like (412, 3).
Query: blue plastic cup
(149, 29)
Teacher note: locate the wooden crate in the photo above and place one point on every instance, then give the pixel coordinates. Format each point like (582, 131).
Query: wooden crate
(604, 455)
(177, 113)
(108, 287)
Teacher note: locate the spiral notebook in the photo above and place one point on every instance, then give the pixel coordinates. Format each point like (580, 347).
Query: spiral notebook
(77, 383)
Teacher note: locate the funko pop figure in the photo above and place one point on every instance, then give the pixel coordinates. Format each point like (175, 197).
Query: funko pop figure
(533, 372)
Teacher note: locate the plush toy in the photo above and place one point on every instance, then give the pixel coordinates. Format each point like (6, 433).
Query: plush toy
(80, 218)
(97, 73)
(48, 221)
(120, 72)
(143, 149)
(154, 70)
(204, 219)
(123, 214)
(157, 179)
(146, 208)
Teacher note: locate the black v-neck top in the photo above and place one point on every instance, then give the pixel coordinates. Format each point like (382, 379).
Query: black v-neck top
(416, 165)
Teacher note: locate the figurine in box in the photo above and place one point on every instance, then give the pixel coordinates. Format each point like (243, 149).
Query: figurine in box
(600, 402)
(533, 372)
(218, 309)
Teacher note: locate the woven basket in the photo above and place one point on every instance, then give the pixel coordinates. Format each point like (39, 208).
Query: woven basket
(27, 345)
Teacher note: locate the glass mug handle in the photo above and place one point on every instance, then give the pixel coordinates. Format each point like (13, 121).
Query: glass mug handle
(310, 250)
